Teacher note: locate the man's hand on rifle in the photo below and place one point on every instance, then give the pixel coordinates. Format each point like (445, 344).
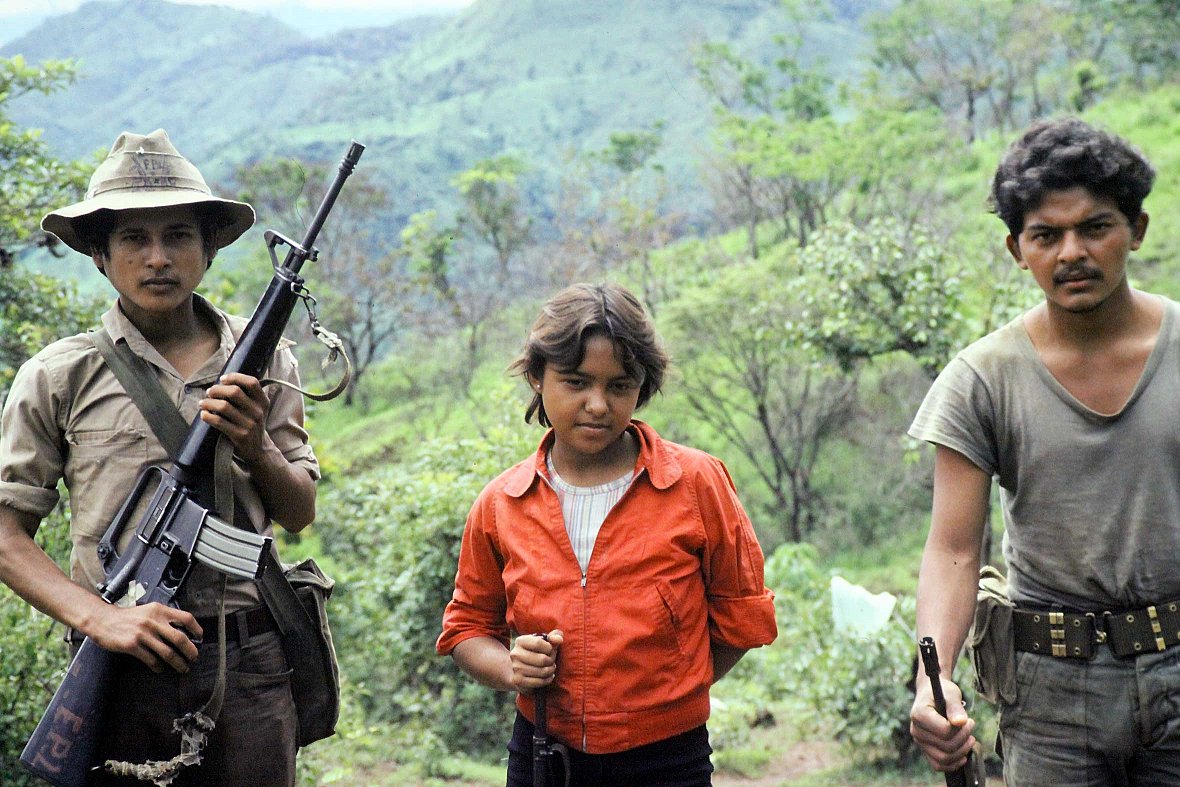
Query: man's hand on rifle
(158, 635)
(237, 406)
(147, 632)
(945, 742)
(534, 660)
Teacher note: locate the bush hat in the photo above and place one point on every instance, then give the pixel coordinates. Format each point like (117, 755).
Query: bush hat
(146, 172)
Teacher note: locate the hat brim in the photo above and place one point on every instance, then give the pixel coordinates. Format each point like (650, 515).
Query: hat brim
(239, 215)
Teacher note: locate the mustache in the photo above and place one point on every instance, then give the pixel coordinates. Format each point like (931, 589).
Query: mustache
(1076, 272)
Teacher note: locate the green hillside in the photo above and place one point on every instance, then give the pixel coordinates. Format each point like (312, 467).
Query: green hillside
(805, 310)
(428, 96)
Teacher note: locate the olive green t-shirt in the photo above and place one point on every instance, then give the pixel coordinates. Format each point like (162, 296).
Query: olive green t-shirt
(1091, 502)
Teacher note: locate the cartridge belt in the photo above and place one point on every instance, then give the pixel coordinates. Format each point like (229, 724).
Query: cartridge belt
(1077, 635)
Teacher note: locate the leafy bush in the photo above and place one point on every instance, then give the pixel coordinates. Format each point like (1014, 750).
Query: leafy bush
(856, 688)
(394, 536)
(32, 661)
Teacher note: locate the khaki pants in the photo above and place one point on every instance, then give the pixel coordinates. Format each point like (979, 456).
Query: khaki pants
(1094, 723)
(253, 744)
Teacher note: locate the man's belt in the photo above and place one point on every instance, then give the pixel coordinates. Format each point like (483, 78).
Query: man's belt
(1076, 635)
(240, 625)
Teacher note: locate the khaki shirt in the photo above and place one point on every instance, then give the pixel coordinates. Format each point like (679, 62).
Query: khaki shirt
(67, 417)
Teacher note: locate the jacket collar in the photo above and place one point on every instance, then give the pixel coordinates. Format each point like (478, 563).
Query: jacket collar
(654, 458)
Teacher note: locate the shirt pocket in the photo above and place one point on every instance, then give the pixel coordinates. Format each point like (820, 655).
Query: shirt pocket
(101, 467)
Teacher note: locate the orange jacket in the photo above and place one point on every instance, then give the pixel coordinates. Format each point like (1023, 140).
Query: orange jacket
(676, 566)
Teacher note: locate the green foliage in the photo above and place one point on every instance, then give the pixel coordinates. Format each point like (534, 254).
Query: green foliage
(883, 288)
(36, 309)
(492, 205)
(856, 688)
(395, 533)
(32, 660)
(32, 182)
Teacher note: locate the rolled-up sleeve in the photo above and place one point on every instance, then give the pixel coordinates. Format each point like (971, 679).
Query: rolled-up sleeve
(285, 420)
(741, 607)
(478, 606)
(31, 452)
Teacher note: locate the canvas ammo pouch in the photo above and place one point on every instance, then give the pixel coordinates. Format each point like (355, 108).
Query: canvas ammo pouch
(991, 642)
(296, 595)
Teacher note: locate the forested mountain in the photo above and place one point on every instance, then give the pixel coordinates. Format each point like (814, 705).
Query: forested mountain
(429, 96)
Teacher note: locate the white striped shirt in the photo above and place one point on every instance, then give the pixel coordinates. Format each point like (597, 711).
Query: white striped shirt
(585, 508)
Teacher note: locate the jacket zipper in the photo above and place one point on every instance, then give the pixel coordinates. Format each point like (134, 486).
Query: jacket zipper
(585, 604)
(585, 657)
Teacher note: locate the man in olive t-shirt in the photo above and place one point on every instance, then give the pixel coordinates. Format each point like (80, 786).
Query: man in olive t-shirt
(1071, 408)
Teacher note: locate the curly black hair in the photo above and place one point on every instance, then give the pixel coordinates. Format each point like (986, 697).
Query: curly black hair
(1066, 153)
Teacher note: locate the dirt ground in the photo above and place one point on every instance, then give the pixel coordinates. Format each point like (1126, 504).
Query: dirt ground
(808, 757)
(799, 760)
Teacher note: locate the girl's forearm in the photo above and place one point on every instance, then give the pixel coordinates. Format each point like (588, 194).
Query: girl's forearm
(487, 660)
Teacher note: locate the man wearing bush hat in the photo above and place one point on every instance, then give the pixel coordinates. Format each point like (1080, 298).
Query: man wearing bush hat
(151, 225)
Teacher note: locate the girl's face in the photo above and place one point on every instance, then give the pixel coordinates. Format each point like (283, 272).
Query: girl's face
(589, 407)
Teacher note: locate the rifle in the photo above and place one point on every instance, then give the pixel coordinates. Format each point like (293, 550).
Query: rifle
(178, 525)
(543, 750)
(968, 775)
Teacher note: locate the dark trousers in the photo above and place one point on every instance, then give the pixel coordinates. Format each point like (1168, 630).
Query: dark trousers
(679, 761)
(253, 744)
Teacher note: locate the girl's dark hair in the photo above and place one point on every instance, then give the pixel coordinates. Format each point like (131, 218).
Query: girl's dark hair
(1063, 154)
(574, 315)
(94, 229)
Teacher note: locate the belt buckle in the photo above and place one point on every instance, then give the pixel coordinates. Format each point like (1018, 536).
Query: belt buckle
(1057, 634)
(1082, 644)
(1156, 630)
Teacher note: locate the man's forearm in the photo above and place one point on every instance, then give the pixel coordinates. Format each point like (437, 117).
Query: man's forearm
(288, 491)
(32, 574)
(946, 601)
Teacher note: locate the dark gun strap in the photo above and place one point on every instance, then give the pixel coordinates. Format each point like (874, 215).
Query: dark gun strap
(163, 416)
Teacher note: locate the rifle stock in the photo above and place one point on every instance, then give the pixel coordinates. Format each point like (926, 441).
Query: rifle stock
(176, 527)
(62, 747)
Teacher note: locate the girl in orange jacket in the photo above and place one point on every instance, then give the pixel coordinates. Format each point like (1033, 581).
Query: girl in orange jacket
(632, 554)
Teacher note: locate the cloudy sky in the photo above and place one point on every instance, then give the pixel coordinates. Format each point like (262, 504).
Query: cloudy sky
(19, 16)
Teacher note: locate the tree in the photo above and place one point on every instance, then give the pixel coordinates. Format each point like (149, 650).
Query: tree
(613, 214)
(746, 377)
(776, 133)
(981, 63)
(32, 181)
(492, 208)
(35, 309)
(785, 156)
(359, 286)
(881, 289)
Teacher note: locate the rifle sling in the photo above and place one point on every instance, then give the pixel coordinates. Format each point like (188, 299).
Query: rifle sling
(139, 381)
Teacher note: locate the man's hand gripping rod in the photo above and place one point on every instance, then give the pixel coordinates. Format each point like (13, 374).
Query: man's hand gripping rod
(968, 775)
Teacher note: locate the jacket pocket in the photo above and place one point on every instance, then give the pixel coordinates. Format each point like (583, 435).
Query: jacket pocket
(673, 617)
(521, 616)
